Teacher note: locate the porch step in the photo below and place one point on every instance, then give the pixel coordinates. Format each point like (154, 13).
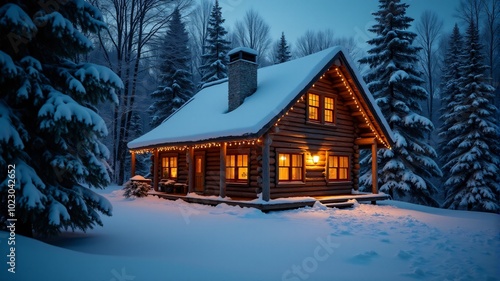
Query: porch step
(340, 205)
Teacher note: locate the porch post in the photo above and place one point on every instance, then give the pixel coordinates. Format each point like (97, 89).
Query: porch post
(374, 168)
(132, 163)
(190, 158)
(222, 177)
(266, 170)
(156, 178)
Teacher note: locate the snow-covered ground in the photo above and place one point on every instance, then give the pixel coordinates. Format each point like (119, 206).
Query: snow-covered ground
(156, 239)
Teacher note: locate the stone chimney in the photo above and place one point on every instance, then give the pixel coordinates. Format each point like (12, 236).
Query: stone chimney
(242, 75)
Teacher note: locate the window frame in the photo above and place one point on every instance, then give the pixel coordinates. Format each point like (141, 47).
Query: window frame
(322, 108)
(236, 171)
(169, 156)
(328, 167)
(303, 167)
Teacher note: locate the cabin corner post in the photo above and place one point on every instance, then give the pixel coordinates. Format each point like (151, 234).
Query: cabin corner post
(132, 163)
(190, 159)
(374, 168)
(156, 161)
(266, 168)
(223, 151)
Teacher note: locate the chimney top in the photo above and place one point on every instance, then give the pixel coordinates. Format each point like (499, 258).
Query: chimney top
(244, 53)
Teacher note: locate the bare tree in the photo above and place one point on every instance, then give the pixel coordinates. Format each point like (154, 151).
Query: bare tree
(133, 26)
(198, 23)
(306, 44)
(492, 38)
(470, 10)
(312, 42)
(350, 45)
(253, 32)
(429, 29)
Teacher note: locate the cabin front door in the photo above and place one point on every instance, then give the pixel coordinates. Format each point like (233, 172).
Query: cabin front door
(199, 175)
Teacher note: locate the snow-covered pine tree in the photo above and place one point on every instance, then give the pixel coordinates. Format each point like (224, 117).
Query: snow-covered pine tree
(50, 128)
(214, 61)
(472, 152)
(450, 93)
(282, 50)
(176, 86)
(396, 85)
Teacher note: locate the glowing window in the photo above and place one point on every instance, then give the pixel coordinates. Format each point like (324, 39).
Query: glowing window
(338, 168)
(321, 108)
(329, 108)
(313, 107)
(290, 167)
(169, 167)
(237, 168)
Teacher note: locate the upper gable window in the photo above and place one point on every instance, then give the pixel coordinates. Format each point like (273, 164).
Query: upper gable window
(321, 108)
(314, 108)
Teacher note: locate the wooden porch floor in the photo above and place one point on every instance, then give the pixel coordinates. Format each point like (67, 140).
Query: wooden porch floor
(338, 201)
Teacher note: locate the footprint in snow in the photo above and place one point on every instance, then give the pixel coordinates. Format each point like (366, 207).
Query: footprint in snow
(364, 258)
(404, 255)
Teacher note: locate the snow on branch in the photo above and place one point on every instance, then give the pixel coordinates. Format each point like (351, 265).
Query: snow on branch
(99, 73)
(30, 185)
(398, 76)
(62, 107)
(9, 135)
(63, 28)
(56, 211)
(7, 66)
(19, 22)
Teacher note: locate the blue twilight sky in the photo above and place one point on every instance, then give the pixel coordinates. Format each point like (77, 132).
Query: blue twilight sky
(344, 17)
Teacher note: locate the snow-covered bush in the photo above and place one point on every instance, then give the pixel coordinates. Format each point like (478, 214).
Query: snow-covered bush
(136, 189)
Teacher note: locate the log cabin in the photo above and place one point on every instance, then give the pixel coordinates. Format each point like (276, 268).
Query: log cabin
(288, 130)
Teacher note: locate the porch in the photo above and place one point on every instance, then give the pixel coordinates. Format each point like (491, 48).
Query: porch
(338, 201)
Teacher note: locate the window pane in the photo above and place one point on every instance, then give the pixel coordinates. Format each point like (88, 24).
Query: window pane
(173, 172)
(343, 174)
(230, 173)
(344, 162)
(243, 173)
(314, 100)
(230, 160)
(284, 160)
(241, 161)
(296, 160)
(283, 174)
(313, 113)
(332, 172)
(328, 116)
(164, 162)
(329, 103)
(335, 162)
(296, 173)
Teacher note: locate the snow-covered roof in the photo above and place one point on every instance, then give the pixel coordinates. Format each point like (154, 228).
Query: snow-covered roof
(205, 117)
